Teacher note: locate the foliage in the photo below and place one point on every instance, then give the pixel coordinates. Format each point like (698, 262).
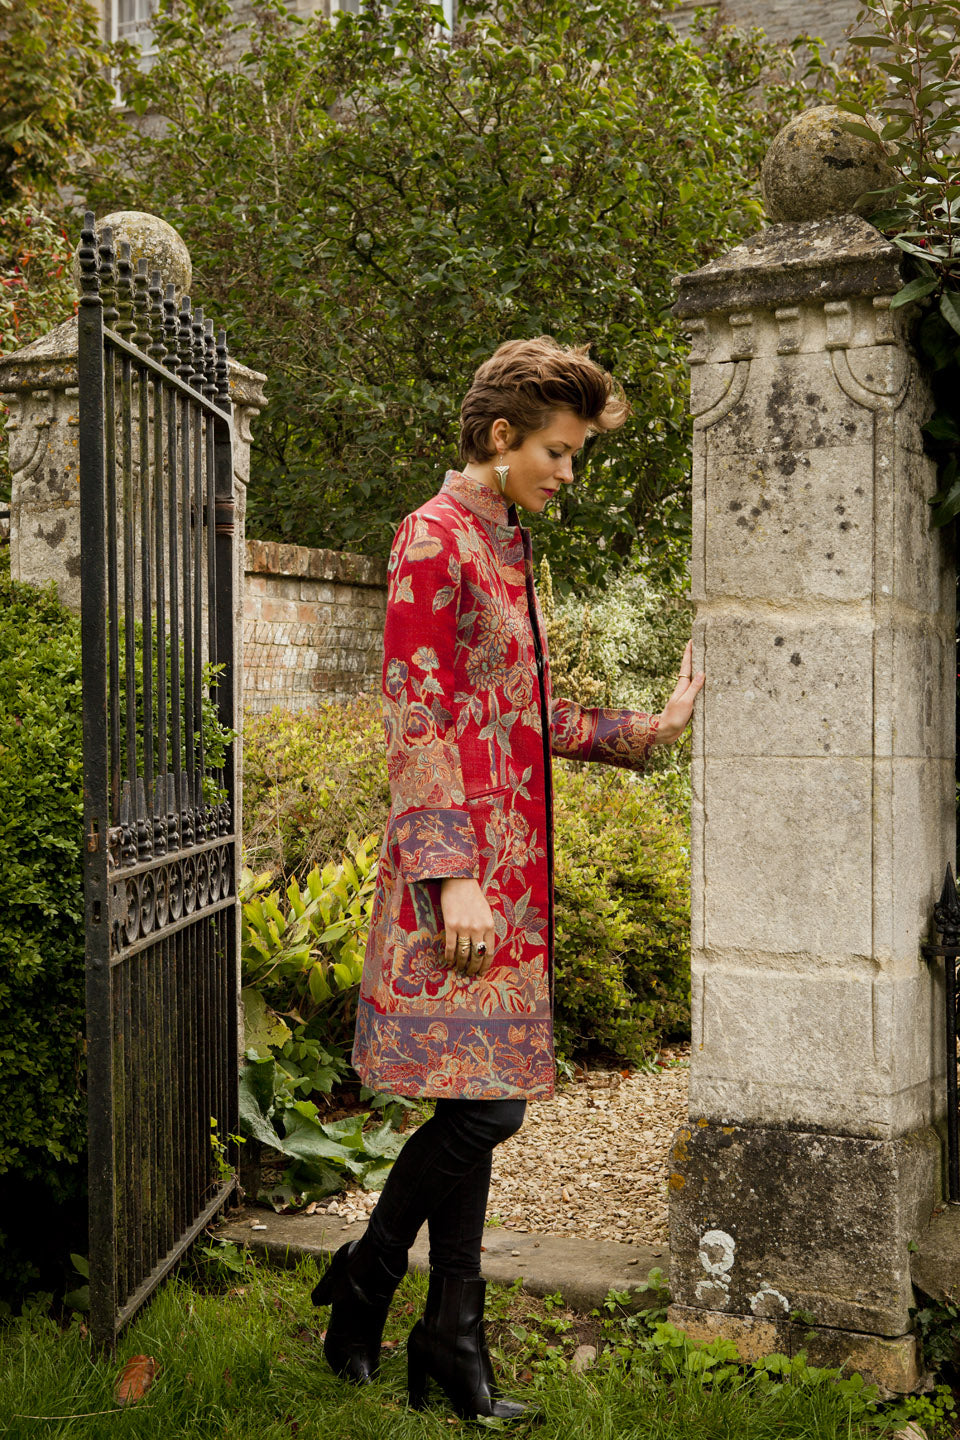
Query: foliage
(36, 291)
(619, 646)
(916, 46)
(321, 1156)
(309, 778)
(938, 1326)
(372, 208)
(301, 964)
(622, 911)
(235, 1345)
(56, 97)
(42, 1109)
(302, 959)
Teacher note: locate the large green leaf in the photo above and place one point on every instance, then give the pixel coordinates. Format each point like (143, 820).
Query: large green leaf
(307, 1140)
(262, 1027)
(257, 1091)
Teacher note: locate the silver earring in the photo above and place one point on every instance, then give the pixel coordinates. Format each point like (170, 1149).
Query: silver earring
(502, 471)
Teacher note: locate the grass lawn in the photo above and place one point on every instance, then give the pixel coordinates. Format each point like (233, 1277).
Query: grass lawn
(238, 1358)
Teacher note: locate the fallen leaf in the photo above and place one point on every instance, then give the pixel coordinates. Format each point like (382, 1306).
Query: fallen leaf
(227, 1377)
(135, 1379)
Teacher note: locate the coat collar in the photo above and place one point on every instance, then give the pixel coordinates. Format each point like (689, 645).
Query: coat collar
(479, 499)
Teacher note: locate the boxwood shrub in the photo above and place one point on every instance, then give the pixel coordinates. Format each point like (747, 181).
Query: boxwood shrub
(622, 913)
(42, 1102)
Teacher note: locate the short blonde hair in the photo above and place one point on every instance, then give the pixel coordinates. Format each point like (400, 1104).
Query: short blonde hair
(525, 382)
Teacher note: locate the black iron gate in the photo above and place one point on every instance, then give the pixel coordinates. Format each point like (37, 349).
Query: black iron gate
(158, 559)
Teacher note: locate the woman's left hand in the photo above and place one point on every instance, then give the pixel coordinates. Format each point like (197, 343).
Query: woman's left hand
(675, 716)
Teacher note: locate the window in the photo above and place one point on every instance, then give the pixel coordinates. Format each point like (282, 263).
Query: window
(353, 7)
(133, 20)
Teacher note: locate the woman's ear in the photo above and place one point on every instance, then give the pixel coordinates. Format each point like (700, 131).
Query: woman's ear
(501, 434)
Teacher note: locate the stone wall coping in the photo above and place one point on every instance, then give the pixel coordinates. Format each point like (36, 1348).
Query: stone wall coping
(788, 263)
(50, 363)
(268, 557)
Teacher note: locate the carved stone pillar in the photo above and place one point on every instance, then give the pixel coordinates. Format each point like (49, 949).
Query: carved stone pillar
(39, 386)
(823, 812)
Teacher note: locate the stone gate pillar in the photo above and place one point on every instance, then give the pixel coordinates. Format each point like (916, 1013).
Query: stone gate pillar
(823, 811)
(39, 386)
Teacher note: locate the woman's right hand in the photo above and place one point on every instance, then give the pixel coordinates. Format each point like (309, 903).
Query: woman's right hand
(466, 916)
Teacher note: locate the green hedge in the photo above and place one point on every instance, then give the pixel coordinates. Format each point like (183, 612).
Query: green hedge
(42, 1102)
(622, 941)
(309, 780)
(622, 866)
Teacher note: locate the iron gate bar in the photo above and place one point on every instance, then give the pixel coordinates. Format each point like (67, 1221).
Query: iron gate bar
(946, 917)
(161, 853)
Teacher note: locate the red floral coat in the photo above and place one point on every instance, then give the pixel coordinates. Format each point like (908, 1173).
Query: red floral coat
(466, 692)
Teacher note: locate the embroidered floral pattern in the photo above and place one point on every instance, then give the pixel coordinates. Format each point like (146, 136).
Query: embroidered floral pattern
(471, 795)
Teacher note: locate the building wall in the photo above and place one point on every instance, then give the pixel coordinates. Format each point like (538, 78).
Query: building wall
(312, 625)
(783, 19)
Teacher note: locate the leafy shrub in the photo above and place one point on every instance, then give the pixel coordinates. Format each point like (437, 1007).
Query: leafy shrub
(618, 646)
(622, 915)
(309, 779)
(409, 220)
(304, 957)
(42, 1106)
(623, 646)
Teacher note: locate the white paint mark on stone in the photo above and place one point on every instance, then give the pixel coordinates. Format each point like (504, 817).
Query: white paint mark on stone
(717, 1250)
(768, 1303)
(713, 1294)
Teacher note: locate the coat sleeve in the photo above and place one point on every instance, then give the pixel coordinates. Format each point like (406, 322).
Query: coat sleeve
(430, 826)
(612, 737)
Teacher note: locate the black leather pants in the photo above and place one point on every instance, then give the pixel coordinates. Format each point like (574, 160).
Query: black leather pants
(442, 1176)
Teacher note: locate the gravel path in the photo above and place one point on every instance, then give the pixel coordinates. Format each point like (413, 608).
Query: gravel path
(590, 1161)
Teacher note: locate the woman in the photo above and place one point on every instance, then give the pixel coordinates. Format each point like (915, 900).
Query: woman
(455, 1001)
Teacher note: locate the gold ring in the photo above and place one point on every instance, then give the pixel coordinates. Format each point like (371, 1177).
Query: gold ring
(463, 945)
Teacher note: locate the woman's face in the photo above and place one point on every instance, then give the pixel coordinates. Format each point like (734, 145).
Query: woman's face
(544, 460)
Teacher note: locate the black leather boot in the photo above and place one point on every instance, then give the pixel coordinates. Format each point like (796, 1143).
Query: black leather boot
(358, 1285)
(449, 1345)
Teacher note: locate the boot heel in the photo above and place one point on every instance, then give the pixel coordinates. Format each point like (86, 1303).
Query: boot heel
(323, 1291)
(418, 1379)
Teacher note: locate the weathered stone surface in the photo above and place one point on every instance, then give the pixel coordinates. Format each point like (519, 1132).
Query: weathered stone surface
(840, 1051)
(892, 1364)
(789, 264)
(150, 239)
(585, 1271)
(935, 1265)
(814, 168)
(788, 684)
(823, 807)
(787, 849)
(765, 1222)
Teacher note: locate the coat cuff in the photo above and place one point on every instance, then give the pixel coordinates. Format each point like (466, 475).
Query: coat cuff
(436, 844)
(624, 737)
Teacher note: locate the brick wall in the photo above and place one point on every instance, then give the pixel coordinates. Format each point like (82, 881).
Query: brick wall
(312, 625)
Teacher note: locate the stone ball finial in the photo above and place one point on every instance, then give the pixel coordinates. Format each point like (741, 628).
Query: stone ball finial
(816, 168)
(150, 239)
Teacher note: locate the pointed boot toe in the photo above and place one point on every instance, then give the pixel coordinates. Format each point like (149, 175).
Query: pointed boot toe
(449, 1346)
